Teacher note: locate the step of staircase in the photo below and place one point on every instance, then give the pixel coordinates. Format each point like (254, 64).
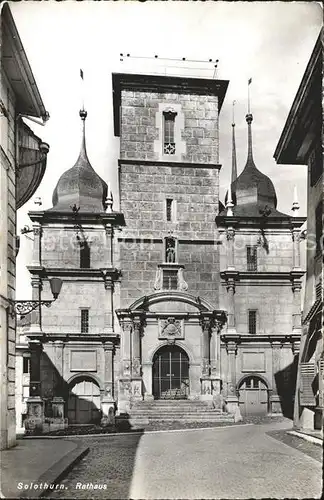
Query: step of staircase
(185, 411)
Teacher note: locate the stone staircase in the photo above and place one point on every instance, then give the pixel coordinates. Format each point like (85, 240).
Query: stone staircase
(185, 411)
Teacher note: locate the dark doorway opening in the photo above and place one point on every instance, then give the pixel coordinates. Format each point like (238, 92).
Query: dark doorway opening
(170, 373)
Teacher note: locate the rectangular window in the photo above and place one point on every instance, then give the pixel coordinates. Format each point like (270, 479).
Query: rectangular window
(84, 255)
(252, 321)
(169, 210)
(252, 258)
(170, 279)
(26, 364)
(84, 320)
(168, 132)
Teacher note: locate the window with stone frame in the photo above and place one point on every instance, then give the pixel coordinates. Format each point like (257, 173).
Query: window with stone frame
(169, 205)
(170, 279)
(252, 321)
(84, 320)
(319, 227)
(169, 145)
(252, 257)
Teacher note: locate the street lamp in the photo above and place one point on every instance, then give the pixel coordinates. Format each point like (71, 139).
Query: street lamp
(23, 307)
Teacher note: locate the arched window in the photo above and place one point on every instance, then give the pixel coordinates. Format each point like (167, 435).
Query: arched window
(169, 146)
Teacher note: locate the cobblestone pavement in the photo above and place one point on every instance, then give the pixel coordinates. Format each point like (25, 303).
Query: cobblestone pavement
(235, 463)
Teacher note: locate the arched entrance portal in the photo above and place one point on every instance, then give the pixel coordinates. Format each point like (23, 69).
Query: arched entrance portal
(84, 401)
(253, 396)
(170, 373)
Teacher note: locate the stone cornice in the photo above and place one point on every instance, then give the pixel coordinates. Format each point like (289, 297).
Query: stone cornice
(259, 275)
(51, 216)
(109, 272)
(248, 338)
(74, 337)
(259, 222)
(178, 164)
(163, 84)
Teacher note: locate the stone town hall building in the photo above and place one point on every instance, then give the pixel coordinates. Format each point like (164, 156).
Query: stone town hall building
(174, 296)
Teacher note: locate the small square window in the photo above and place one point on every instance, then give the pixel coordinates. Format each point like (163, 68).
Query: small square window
(252, 322)
(252, 258)
(84, 320)
(170, 279)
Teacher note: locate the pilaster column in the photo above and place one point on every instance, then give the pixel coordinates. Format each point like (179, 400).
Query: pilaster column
(230, 235)
(109, 233)
(136, 346)
(296, 289)
(231, 348)
(296, 249)
(35, 348)
(205, 345)
(35, 405)
(107, 401)
(275, 399)
(109, 371)
(36, 314)
(230, 286)
(126, 347)
(37, 255)
(232, 402)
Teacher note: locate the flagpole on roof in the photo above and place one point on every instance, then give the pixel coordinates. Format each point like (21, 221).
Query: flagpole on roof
(249, 104)
(82, 89)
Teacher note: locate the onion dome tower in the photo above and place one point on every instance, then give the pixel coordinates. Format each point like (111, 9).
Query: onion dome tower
(253, 193)
(80, 186)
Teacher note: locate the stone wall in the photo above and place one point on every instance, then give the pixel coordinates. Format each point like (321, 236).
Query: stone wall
(144, 190)
(8, 266)
(141, 134)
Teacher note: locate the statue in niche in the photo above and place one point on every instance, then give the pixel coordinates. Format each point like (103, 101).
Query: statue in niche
(170, 254)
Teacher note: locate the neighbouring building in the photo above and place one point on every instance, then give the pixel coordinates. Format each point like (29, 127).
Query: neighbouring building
(261, 280)
(160, 300)
(23, 163)
(301, 143)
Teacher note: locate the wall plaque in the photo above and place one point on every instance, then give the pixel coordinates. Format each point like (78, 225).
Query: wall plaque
(83, 361)
(253, 361)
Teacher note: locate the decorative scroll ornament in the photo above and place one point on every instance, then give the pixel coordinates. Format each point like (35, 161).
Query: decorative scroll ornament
(158, 279)
(182, 284)
(25, 307)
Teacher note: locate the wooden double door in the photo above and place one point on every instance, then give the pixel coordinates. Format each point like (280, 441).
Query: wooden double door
(84, 403)
(253, 397)
(170, 373)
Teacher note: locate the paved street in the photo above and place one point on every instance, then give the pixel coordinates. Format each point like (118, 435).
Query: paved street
(236, 462)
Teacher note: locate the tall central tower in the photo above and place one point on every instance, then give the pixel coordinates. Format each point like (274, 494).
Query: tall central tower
(168, 190)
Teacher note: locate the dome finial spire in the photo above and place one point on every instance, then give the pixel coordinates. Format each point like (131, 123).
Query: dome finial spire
(249, 119)
(234, 163)
(83, 151)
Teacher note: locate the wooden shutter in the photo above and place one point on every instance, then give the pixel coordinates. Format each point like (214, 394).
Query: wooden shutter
(307, 375)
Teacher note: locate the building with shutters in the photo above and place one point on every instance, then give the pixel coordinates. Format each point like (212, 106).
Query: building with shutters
(23, 163)
(300, 144)
(173, 296)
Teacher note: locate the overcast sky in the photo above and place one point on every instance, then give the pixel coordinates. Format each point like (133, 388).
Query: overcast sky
(268, 41)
